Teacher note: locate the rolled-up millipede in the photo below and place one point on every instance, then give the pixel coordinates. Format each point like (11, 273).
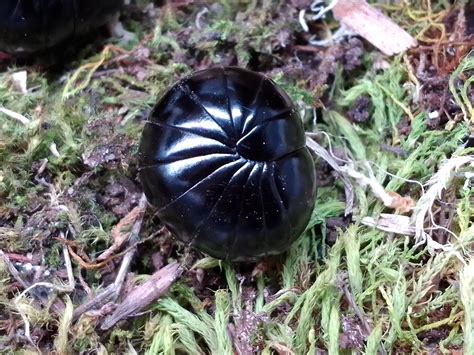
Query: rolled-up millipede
(30, 26)
(224, 160)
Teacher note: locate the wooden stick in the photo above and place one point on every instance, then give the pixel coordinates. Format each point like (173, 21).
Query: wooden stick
(145, 294)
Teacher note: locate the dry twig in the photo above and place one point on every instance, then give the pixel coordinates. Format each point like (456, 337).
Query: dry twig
(111, 293)
(20, 118)
(324, 154)
(121, 232)
(392, 223)
(30, 288)
(389, 198)
(437, 184)
(142, 296)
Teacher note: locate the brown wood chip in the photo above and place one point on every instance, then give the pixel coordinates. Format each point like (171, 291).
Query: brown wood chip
(374, 26)
(145, 294)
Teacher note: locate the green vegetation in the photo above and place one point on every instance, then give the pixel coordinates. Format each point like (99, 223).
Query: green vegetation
(344, 285)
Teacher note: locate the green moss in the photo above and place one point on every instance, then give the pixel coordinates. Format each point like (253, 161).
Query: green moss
(303, 300)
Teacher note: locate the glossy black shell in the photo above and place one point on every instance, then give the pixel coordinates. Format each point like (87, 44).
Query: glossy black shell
(32, 25)
(224, 160)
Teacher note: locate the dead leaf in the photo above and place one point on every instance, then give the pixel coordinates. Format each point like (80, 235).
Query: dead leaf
(374, 26)
(19, 81)
(401, 204)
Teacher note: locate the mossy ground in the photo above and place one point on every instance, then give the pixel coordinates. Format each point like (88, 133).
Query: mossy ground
(71, 171)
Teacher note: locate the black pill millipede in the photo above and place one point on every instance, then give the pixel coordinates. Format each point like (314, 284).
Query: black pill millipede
(223, 159)
(34, 25)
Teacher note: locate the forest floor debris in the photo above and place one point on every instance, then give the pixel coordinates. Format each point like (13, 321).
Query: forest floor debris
(395, 136)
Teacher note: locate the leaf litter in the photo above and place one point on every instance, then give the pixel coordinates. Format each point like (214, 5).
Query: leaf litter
(385, 263)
